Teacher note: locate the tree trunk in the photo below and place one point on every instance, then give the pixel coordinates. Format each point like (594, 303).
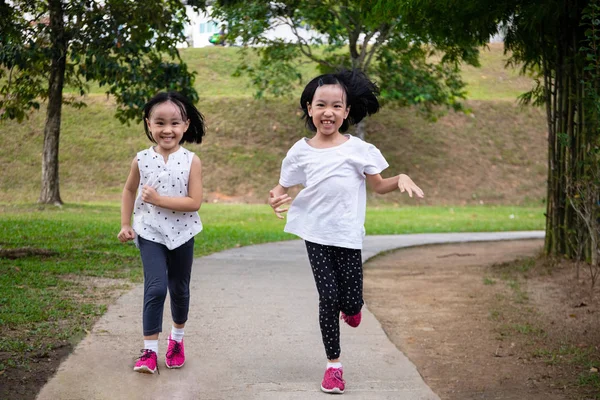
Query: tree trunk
(361, 129)
(550, 92)
(50, 193)
(572, 131)
(562, 224)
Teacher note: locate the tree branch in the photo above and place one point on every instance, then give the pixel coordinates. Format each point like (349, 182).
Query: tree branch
(384, 32)
(353, 34)
(304, 46)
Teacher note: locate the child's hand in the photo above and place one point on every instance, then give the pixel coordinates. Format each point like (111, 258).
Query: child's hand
(126, 234)
(150, 195)
(277, 202)
(406, 184)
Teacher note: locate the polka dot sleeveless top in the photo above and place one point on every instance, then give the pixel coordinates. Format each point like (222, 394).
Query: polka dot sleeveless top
(161, 225)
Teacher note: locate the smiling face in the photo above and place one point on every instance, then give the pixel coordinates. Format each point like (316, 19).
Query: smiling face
(328, 109)
(167, 126)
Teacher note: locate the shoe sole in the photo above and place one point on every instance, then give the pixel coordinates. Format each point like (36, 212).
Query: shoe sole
(174, 366)
(144, 370)
(332, 391)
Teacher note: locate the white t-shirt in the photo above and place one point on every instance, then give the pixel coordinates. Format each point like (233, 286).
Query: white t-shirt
(157, 224)
(330, 210)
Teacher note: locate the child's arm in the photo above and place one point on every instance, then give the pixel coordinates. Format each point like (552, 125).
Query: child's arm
(277, 197)
(191, 202)
(403, 182)
(127, 202)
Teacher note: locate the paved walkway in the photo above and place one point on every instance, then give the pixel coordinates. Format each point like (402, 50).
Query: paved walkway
(253, 334)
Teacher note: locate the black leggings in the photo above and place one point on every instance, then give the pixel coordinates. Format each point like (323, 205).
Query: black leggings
(164, 270)
(339, 279)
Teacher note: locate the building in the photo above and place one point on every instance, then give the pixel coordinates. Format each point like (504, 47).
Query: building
(202, 27)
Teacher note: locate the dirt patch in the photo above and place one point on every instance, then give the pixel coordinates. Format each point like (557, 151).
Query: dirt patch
(22, 252)
(24, 382)
(480, 326)
(477, 324)
(24, 373)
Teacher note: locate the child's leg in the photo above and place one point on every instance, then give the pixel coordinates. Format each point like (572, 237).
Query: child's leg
(179, 271)
(154, 259)
(321, 261)
(350, 279)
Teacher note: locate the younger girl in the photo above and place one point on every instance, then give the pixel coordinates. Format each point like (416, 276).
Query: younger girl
(329, 213)
(168, 181)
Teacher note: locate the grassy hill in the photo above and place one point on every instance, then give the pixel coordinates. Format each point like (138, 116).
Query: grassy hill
(497, 154)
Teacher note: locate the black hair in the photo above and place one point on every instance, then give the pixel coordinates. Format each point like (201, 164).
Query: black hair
(195, 131)
(361, 96)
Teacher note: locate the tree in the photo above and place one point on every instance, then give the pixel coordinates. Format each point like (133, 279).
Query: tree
(375, 37)
(127, 47)
(559, 42)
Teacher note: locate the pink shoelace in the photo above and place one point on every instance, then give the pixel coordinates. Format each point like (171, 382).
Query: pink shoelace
(337, 374)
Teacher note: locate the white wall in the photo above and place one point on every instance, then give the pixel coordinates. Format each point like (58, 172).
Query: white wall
(202, 27)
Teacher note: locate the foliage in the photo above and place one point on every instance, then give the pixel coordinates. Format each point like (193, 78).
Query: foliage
(127, 47)
(584, 194)
(591, 51)
(414, 60)
(412, 80)
(557, 41)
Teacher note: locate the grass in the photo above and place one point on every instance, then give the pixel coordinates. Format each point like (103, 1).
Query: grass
(455, 160)
(556, 346)
(488, 281)
(590, 380)
(495, 155)
(396, 220)
(493, 80)
(49, 296)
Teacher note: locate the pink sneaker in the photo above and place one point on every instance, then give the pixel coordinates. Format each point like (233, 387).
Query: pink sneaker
(147, 362)
(333, 382)
(352, 320)
(175, 357)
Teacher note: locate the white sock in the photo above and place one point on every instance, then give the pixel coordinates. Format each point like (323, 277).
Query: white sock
(177, 334)
(334, 365)
(151, 345)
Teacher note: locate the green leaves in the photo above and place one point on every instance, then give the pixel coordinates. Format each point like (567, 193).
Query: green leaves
(409, 78)
(128, 47)
(389, 40)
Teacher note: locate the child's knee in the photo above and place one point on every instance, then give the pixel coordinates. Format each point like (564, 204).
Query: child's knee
(155, 292)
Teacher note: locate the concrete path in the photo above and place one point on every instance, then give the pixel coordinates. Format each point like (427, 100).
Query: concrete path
(253, 333)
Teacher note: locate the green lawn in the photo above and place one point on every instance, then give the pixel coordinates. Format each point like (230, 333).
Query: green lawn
(59, 290)
(493, 80)
(48, 296)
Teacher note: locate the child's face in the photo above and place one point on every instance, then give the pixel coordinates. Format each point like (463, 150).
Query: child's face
(328, 109)
(167, 126)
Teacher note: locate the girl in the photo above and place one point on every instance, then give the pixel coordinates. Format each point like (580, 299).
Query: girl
(168, 181)
(329, 213)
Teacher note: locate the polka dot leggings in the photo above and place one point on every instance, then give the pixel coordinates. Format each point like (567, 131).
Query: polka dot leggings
(339, 280)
